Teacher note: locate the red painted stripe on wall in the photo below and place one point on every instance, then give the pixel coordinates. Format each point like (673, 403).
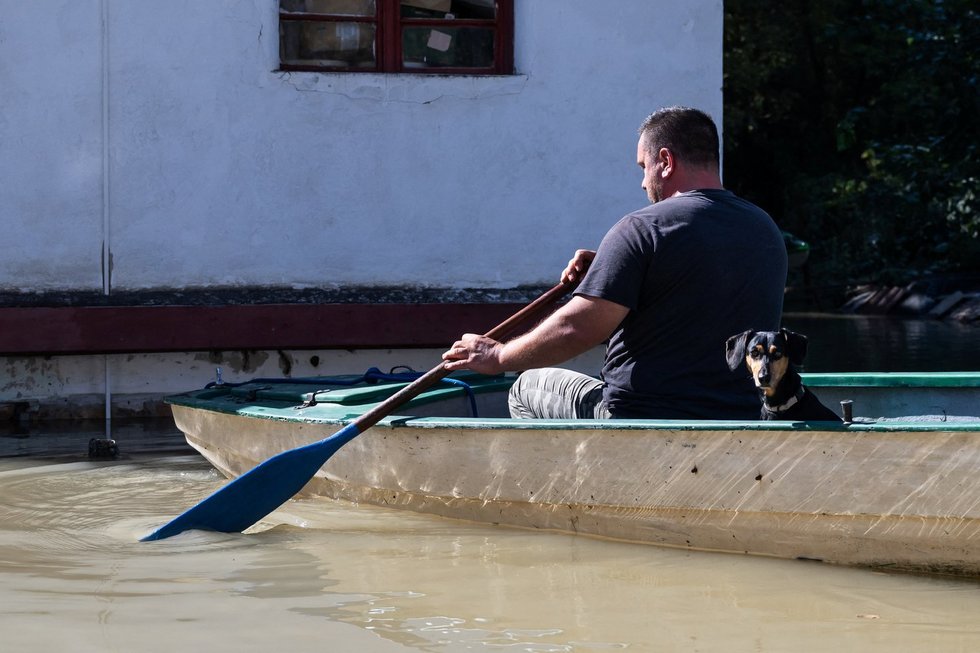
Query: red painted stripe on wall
(135, 329)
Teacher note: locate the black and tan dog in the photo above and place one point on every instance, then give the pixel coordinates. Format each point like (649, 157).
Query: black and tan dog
(771, 357)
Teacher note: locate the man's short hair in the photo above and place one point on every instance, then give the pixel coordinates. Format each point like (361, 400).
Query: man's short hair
(689, 133)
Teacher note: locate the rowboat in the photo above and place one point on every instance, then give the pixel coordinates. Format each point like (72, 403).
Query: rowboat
(896, 488)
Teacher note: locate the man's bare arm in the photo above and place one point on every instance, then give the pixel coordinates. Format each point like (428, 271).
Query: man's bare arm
(573, 329)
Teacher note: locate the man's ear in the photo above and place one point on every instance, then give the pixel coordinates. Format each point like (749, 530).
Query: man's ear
(735, 349)
(795, 346)
(666, 159)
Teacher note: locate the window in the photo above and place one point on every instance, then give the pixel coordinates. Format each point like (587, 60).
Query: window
(467, 37)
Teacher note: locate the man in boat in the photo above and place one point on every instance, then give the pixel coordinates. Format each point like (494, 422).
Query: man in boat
(668, 285)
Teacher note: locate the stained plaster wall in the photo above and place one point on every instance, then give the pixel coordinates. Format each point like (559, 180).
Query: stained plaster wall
(154, 146)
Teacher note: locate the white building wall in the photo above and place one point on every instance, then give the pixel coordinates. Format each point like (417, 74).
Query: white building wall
(163, 132)
(50, 145)
(224, 171)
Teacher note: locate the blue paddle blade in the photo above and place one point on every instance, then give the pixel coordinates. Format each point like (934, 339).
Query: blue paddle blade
(253, 495)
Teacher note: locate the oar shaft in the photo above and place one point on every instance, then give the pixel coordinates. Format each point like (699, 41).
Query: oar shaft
(507, 328)
(503, 330)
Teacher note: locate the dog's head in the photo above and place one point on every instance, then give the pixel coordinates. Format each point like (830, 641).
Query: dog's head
(767, 354)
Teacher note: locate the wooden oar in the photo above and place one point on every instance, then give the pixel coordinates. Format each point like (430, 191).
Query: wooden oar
(253, 495)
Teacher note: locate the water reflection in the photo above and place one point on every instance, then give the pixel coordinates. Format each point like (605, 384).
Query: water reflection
(70, 438)
(866, 343)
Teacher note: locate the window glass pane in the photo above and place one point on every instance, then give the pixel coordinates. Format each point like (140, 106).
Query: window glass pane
(426, 8)
(483, 9)
(449, 47)
(486, 9)
(330, 44)
(334, 7)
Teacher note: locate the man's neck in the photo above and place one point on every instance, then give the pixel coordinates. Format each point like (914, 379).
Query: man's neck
(697, 179)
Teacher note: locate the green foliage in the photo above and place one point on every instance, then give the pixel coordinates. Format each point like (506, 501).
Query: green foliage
(855, 124)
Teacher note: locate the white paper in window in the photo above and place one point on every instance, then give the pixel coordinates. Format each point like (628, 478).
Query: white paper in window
(439, 41)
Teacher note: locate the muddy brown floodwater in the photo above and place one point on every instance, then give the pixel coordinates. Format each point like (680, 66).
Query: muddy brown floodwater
(324, 575)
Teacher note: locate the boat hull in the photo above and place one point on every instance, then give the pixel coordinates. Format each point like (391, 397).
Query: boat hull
(899, 496)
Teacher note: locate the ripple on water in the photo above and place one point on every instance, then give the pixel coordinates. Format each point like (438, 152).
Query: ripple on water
(85, 506)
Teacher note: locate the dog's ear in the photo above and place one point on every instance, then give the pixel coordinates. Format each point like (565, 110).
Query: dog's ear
(795, 346)
(735, 349)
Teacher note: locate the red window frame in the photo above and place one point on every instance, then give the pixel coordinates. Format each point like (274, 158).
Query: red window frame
(388, 39)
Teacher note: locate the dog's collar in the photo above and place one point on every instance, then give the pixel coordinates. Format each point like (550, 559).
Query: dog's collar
(792, 401)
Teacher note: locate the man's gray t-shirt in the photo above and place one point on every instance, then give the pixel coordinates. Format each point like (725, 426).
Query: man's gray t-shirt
(693, 269)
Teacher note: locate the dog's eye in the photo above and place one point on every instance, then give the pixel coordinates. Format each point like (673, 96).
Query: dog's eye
(776, 355)
(755, 354)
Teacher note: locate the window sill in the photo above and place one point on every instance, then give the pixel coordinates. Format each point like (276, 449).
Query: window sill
(420, 88)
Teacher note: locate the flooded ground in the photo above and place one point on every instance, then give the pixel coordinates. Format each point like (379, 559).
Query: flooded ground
(331, 576)
(874, 343)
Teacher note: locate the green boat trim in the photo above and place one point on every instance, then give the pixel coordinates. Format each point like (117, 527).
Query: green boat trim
(893, 379)
(339, 404)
